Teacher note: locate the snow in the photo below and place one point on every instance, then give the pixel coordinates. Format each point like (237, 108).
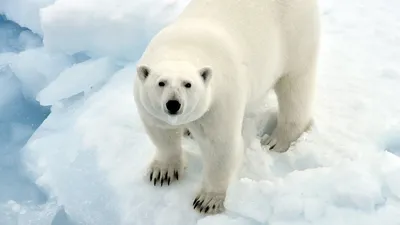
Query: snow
(19, 117)
(38, 75)
(25, 12)
(119, 28)
(83, 161)
(79, 77)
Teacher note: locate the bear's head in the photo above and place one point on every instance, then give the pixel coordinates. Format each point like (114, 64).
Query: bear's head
(175, 92)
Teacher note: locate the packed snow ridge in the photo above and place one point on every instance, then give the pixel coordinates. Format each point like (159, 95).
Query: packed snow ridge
(73, 150)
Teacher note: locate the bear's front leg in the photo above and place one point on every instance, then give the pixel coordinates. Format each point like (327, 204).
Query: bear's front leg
(221, 144)
(168, 164)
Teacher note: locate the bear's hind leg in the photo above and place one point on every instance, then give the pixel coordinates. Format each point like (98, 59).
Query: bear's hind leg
(168, 164)
(295, 94)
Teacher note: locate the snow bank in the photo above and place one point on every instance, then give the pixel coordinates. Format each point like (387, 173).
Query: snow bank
(14, 213)
(21, 201)
(13, 38)
(54, 75)
(32, 68)
(81, 77)
(348, 193)
(8, 83)
(119, 28)
(25, 12)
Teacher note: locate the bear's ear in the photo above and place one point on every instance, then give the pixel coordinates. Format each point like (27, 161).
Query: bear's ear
(143, 72)
(206, 74)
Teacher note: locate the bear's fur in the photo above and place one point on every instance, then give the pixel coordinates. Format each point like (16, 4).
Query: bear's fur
(214, 64)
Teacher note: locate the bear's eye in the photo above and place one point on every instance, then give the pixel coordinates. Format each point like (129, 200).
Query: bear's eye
(188, 85)
(161, 83)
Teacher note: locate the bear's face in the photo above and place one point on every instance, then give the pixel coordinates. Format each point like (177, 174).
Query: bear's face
(174, 92)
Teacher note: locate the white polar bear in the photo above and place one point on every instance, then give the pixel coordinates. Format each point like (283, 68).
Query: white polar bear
(207, 71)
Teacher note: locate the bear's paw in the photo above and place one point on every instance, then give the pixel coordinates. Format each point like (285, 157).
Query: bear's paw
(164, 173)
(209, 202)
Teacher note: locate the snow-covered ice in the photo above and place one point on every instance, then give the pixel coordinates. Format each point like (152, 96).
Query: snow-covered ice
(25, 12)
(118, 28)
(19, 117)
(85, 160)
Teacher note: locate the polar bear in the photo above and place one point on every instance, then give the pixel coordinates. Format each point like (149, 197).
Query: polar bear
(209, 68)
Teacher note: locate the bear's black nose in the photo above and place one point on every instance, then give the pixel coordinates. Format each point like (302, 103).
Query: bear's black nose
(173, 106)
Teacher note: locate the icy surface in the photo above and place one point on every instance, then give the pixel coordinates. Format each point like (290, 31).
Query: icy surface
(78, 78)
(25, 12)
(86, 161)
(118, 28)
(21, 201)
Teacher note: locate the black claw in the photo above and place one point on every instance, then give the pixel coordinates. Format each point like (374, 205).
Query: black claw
(155, 181)
(195, 200)
(159, 174)
(213, 207)
(169, 180)
(197, 204)
(176, 175)
(273, 146)
(166, 176)
(162, 181)
(151, 175)
(201, 209)
(207, 208)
